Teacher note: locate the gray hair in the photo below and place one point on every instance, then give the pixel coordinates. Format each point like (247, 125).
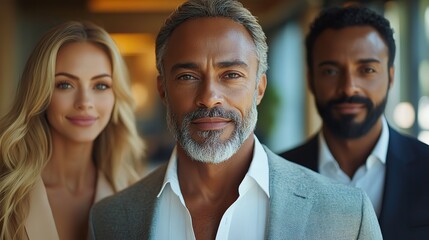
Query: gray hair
(231, 9)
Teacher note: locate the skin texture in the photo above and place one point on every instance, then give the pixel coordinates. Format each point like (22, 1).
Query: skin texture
(80, 108)
(351, 61)
(214, 66)
(83, 99)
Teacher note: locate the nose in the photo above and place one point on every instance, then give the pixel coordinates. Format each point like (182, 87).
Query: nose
(209, 94)
(84, 100)
(348, 84)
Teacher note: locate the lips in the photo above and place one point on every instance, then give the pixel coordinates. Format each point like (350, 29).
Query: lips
(211, 123)
(82, 121)
(349, 108)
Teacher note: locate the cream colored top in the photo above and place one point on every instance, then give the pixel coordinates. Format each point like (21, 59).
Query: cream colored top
(40, 224)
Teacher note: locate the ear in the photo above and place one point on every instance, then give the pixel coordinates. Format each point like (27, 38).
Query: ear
(161, 88)
(391, 76)
(262, 85)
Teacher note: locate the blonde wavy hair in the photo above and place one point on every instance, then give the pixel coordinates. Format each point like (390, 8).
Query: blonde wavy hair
(25, 141)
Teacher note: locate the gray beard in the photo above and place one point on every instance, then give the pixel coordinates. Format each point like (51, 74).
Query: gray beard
(212, 149)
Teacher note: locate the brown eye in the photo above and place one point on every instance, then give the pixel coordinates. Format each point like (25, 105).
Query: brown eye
(186, 77)
(368, 70)
(330, 72)
(232, 75)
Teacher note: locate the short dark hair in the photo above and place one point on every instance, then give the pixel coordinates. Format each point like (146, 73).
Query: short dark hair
(342, 17)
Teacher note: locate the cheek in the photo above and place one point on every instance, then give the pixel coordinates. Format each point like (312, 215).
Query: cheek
(106, 103)
(59, 104)
(322, 94)
(181, 101)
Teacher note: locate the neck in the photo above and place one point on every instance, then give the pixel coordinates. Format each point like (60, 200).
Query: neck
(214, 182)
(70, 166)
(352, 153)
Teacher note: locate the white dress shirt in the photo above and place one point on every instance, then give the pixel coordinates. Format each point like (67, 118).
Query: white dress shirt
(369, 177)
(246, 218)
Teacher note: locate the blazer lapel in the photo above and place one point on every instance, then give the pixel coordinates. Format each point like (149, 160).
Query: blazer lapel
(40, 224)
(142, 206)
(394, 195)
(290, 201)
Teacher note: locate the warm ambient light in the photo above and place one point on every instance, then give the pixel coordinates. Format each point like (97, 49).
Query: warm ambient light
(134, 43)
(404, 115)
(133, 5)
(140, 94)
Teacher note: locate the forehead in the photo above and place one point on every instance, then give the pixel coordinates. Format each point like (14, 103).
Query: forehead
(351, 42)
(81, 51)
(210, 37)
(82, 58)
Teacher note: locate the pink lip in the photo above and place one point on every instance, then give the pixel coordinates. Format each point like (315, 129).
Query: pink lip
(207, 124)
(349, 108)
(82, 121)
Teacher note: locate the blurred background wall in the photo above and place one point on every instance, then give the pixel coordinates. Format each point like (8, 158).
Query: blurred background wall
(287, 114)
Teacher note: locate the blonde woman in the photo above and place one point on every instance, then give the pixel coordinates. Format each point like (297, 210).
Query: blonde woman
(71, 138)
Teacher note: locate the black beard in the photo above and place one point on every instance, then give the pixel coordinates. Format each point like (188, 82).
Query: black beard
(345, 127)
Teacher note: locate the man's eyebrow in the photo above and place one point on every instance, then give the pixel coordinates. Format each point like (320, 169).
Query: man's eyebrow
(360, 61)
(234, 63)
(223, 64)
(369, 60)
(328, 62)
(184, 66)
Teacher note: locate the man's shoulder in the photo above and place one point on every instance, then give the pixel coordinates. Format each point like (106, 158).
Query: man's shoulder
(302, 148)
(127, 214)
(287, 177)
(291, 172)
(146, 188)
(407, 143)
(318, 201)
(304, 154)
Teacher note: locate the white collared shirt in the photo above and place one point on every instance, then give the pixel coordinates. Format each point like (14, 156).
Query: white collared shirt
(246, 218)
(369, 177)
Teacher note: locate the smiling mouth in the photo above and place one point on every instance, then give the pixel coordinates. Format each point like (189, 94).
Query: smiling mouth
(211, 124)
(82, 122)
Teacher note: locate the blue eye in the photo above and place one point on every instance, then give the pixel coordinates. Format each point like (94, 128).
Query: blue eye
(63, 85)
(102, 86)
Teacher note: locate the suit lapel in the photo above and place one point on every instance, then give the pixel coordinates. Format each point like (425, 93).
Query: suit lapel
(290, 200)
(394, 195)
(141, 208)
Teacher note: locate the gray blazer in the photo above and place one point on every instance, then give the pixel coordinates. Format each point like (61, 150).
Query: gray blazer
(303, 205)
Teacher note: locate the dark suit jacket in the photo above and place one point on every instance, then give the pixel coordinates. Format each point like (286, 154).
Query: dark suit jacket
(405, 205)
